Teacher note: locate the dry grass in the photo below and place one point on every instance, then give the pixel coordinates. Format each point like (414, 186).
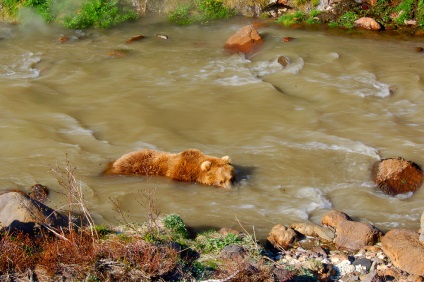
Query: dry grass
(20, 252)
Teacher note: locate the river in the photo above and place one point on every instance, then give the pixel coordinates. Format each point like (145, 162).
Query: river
(303, 138)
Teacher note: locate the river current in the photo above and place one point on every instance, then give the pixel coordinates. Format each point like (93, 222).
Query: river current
(302, 138)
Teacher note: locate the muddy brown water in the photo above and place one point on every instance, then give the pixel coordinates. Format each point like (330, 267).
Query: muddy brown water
(303, 138)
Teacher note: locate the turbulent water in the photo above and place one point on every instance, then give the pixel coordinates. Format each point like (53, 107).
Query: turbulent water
(303, 138)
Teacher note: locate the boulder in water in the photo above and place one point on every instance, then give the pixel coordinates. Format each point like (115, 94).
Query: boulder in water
(397, 176)
(247, 40)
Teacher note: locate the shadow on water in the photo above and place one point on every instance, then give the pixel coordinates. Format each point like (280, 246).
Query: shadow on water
(243, 172)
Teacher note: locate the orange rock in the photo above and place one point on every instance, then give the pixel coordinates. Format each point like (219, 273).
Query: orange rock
(281, 237)
(135, 38)
(404, 250)
(333, 218)
(353, 235)
(367, 23)
(397, 176)
(246, 40)
(63, 39)
(287, 39)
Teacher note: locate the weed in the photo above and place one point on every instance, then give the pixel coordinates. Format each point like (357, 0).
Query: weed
(213, 242)
(100, 14)
(200, 11)
(289, 19)
(176, 225)
(181, 14)
(347, 20)
(405, 10)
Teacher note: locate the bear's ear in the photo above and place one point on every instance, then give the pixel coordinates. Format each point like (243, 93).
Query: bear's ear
(227, 159)
(206, 165)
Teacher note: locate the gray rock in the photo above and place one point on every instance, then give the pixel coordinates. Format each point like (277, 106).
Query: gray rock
(19, 212)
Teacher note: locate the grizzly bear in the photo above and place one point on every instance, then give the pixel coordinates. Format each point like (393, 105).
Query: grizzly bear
(190, 165)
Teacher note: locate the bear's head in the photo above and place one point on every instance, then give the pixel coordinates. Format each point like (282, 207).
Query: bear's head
(217, 172)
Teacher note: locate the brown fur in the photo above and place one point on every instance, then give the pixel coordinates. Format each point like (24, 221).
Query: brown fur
(190, 165)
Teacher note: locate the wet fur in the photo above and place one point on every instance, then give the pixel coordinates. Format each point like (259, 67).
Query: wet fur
(190, 165)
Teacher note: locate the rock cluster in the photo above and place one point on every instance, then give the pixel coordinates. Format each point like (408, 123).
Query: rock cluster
(350, 250)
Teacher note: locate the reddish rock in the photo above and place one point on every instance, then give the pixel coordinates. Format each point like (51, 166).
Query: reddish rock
(135, 38)
(117, 54)
(63, 39)
(39, 192)
(419, 49)
(281, 237)
(246, 40)
(397, 176)
(367, 23)
(405, 250)
(353, 236)
(287, 39)
(333, 217)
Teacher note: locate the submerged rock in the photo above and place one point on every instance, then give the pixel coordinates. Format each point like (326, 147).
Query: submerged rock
(405, 250)
(284, 61)
(135, 38)
(397, 176)
(247, 40)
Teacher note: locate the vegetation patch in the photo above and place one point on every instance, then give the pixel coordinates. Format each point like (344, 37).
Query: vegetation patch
(91, 13)
(200, 11)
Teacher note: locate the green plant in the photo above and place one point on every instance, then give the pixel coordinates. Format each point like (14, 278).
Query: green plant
(289, 19)
(199, 11)
(181, 14)
(313, 17)
(214, 9)
(100, 14)
(175, 224)
(420, 13)
(42, 8)
(404, 10)
(347, 20)
(211, 242)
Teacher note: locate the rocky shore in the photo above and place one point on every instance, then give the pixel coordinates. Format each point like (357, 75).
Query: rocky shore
(162, 249)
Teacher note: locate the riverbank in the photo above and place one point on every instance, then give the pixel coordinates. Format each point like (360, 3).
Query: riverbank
(164, 249)
(403, 16)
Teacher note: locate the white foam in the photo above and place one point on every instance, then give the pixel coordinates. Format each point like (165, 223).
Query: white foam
(333, 143)
(364, 84)
(317, 197)
(295, 66)
(236, 70)
(21, 67)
